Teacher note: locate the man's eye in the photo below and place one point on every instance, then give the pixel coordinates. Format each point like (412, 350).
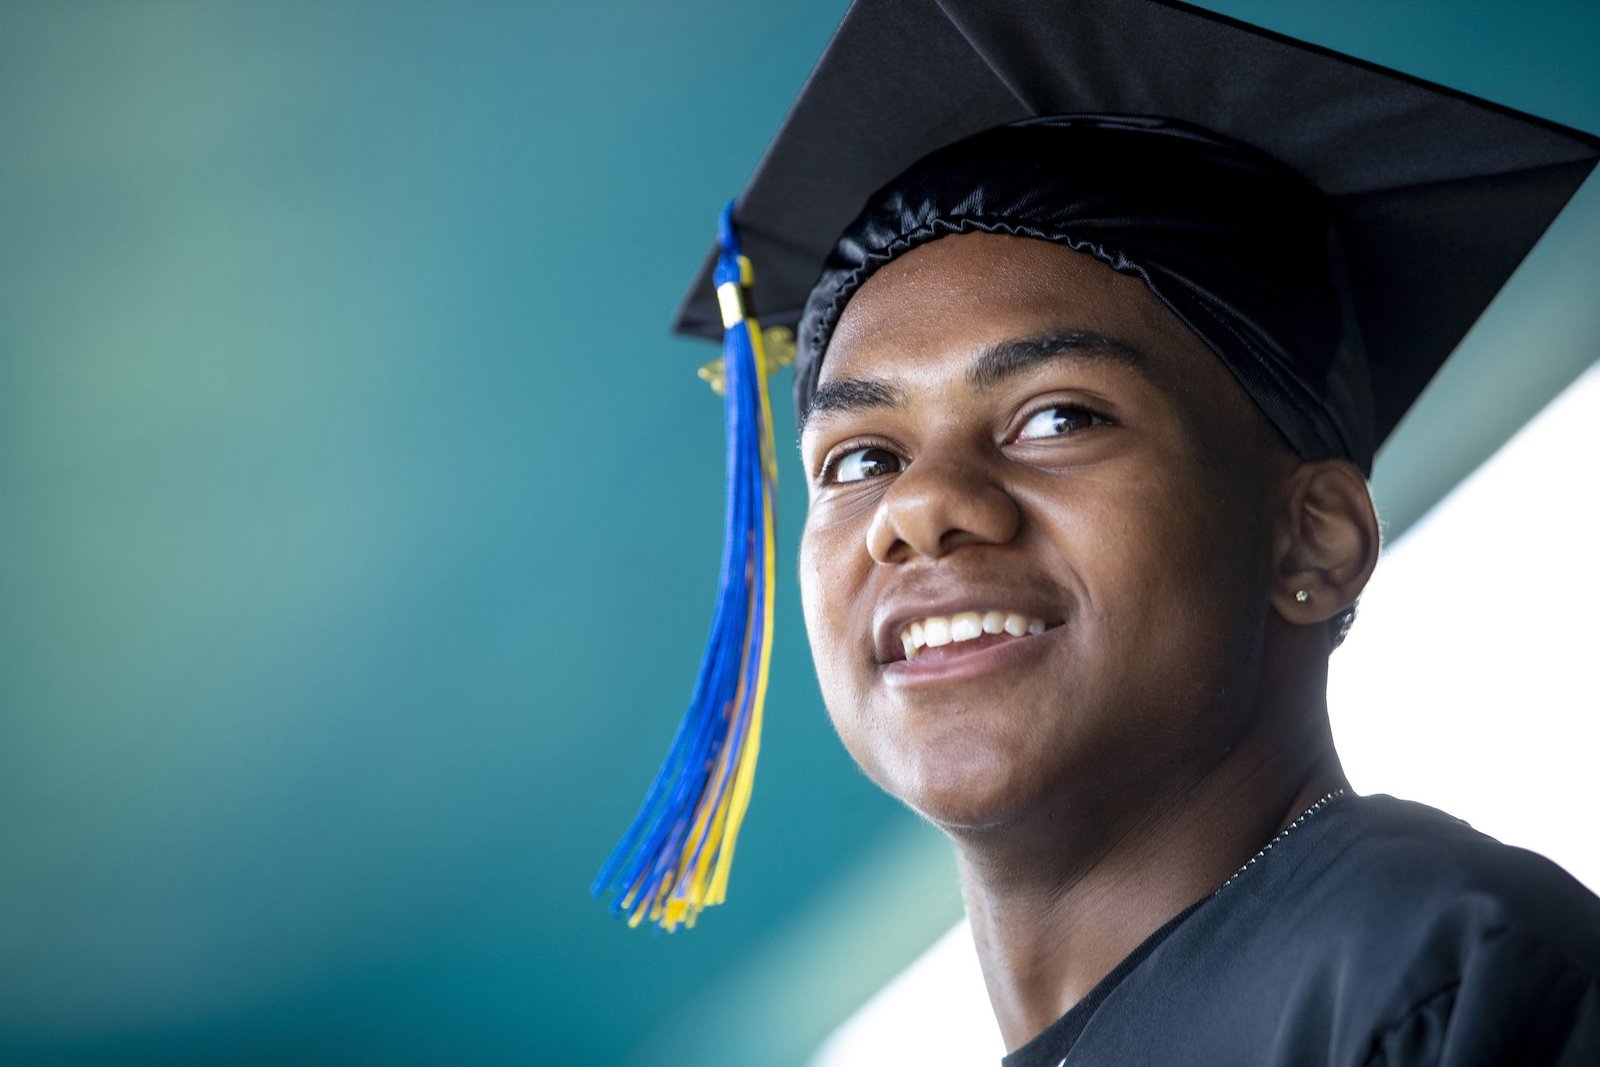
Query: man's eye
(865, 463)
(1058, 421)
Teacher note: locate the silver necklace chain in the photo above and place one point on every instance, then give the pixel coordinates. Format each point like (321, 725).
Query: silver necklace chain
(1285, 832)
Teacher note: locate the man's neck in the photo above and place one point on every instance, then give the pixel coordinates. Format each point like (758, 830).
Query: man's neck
(1055, 906)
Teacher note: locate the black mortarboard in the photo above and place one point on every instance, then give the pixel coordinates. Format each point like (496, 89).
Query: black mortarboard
(1331, 229)
(1437, 196)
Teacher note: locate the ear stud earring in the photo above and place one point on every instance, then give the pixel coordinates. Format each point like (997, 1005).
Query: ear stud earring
(1301, 596)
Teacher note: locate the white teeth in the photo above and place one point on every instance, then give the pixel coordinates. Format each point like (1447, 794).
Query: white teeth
(938, 630)
(966, 626)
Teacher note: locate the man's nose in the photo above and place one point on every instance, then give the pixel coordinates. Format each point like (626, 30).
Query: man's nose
(938, 505)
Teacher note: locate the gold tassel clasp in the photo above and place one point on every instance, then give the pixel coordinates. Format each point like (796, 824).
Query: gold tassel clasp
(778, 345)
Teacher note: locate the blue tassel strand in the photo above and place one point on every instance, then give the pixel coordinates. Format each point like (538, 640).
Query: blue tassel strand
(674, 859)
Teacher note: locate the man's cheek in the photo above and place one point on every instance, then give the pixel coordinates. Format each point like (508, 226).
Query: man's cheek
(810, 591)
(822, 589)
(821, 619)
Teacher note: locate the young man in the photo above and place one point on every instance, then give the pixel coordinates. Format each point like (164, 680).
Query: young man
(1087, 404)
(1071, 597)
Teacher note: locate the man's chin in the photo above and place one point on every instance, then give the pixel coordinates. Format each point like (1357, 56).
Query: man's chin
(964, 808)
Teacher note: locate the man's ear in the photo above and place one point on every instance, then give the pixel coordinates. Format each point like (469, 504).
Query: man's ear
(1327, 542)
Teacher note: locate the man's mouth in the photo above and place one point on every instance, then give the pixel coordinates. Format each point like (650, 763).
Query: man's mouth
(986, 627)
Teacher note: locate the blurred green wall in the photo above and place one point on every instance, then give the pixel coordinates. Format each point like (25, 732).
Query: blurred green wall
(358, 524)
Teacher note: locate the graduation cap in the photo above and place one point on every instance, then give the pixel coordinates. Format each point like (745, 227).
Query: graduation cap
(1330, 228)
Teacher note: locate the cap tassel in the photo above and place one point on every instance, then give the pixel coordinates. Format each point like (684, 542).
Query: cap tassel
(675, 857)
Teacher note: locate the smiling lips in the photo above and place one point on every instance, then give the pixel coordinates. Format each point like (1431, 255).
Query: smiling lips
(936, 631)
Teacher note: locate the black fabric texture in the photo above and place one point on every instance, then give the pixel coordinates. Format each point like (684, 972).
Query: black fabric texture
(1239, 248)
(1379, 933)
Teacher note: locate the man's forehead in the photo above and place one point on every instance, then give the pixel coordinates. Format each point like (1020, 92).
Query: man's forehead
(1001, 304)
(970, 313)
(993, 278)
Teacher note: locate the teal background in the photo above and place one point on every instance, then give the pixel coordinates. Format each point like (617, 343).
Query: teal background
(359, 521)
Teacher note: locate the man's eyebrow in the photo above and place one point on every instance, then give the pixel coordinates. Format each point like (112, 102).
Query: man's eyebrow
(1018, 355)
(852, 394)
(993, 365)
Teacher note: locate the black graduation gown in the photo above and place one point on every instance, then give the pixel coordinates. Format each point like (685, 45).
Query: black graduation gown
(1377, 933)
